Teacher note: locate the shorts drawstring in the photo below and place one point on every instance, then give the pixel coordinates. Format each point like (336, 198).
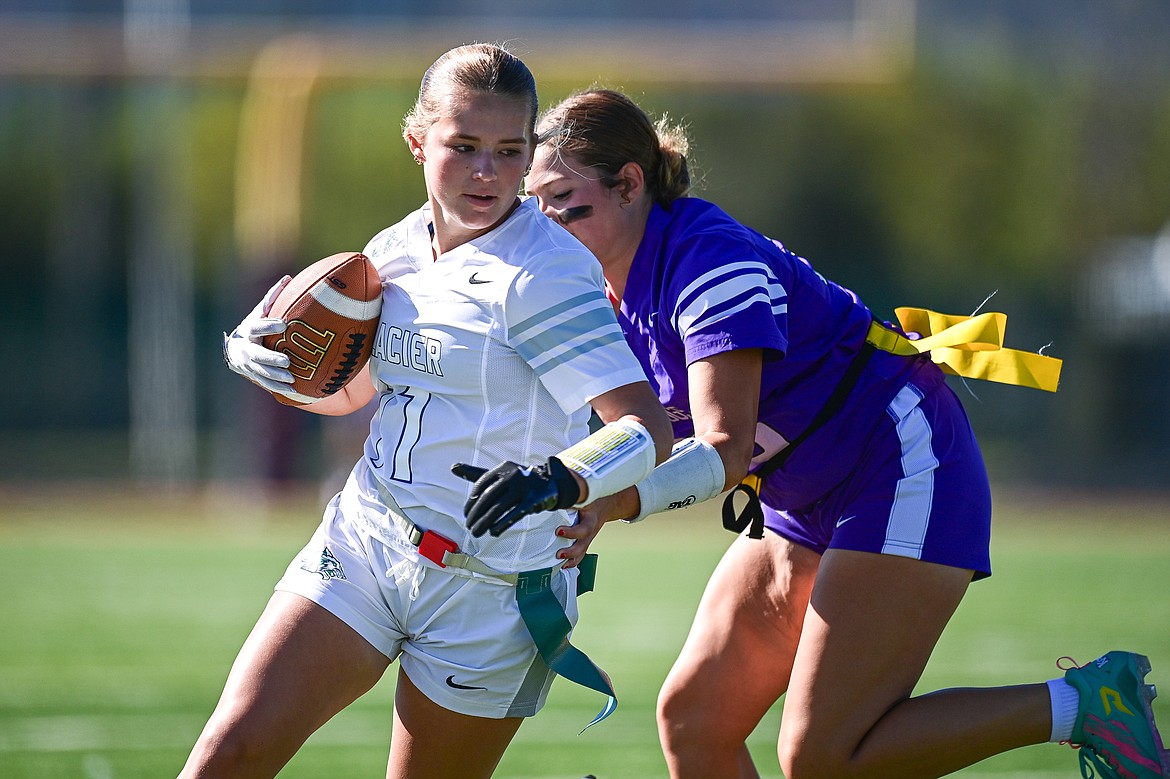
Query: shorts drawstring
(407, 569)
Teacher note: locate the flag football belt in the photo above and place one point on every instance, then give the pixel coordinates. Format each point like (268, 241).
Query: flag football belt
(543, 614)
(967, 346)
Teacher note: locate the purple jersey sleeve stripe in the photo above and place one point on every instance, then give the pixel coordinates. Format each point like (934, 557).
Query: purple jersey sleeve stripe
(716, 314)
(752, 272)
(728, 288)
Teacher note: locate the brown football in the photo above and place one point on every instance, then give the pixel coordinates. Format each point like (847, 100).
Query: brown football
(332, 309)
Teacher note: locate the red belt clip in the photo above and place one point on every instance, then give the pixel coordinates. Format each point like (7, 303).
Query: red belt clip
(433, 546)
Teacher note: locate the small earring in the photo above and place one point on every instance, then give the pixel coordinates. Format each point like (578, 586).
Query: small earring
(418, 160)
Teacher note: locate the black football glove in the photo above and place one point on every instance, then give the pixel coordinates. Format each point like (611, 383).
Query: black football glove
(509, 492)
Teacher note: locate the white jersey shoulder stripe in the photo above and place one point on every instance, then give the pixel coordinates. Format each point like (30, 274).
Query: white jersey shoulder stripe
(550, 361)
(581, 324)
(550, 312)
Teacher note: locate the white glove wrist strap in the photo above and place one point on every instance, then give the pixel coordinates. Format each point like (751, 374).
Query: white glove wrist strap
(694, 473)
(616, 456)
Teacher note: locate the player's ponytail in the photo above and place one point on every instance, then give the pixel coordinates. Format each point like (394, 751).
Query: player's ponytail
(672, 177)
(604, 129)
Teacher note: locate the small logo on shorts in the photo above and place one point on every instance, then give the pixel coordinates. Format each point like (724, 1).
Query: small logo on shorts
(328, 567)
(843, 520)
(452, 683)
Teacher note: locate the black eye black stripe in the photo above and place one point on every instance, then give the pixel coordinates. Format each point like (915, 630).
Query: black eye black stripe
(574, 213)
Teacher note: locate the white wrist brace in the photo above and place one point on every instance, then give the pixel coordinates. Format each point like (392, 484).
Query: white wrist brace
(694, 473)
(615, 457)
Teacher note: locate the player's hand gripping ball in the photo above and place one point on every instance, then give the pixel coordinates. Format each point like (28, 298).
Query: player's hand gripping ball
(310, 335)
(244, 354)
(509, 492)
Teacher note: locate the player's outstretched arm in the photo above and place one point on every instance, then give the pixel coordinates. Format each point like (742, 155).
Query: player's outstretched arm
(591, 519)
(502, 496)
(635, 438)
(637, 402)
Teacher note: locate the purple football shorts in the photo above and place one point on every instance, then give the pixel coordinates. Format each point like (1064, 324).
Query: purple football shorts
(919, 490)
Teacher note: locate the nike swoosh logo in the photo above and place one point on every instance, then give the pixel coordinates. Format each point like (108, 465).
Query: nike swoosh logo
(475, 280)
(452, 683)
(843, 520)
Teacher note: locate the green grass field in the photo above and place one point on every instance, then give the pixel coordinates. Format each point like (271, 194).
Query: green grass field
(120, 617)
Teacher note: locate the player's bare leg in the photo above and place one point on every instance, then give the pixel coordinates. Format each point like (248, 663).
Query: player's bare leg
(299, 667)
(736, 660)
(431, 742)
(872, 623)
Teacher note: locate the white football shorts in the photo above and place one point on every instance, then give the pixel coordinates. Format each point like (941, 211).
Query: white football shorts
(459, 636)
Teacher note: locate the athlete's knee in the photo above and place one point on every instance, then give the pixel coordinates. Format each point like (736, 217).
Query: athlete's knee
(802, 763)
(806, 758)
(688, 721)
(681, 718)
(678, 707)
(228, 751)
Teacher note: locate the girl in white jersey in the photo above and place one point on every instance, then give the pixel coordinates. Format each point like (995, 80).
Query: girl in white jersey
(495, 340)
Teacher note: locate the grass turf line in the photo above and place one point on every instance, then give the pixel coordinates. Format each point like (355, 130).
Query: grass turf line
(122, 617)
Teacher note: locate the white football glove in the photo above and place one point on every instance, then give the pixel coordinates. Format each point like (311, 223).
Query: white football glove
(244, 354)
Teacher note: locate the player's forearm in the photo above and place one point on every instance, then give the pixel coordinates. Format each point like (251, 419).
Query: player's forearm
(620, 505)
(354, 395)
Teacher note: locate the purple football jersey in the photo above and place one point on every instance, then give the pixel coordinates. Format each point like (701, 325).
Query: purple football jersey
(701, 283)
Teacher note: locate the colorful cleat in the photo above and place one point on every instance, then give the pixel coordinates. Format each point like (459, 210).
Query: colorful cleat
(1115, 727)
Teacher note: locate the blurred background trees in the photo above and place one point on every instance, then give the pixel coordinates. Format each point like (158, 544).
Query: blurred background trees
(927, 154)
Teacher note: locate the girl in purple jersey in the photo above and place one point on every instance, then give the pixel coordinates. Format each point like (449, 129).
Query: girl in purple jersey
(875, 498)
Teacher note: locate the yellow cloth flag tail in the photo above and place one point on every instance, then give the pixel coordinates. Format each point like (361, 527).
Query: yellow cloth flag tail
(968, 346)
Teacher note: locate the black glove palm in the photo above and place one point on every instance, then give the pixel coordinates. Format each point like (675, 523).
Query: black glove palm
(509, 492)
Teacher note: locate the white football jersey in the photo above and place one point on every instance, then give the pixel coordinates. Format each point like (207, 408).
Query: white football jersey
(490, 353)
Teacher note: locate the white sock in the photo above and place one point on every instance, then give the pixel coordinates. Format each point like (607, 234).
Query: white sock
(1065, 704)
